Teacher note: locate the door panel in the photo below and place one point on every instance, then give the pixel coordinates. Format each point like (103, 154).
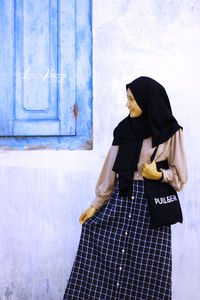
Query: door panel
(44, 68)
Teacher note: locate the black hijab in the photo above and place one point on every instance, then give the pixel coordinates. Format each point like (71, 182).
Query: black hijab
(156, 121)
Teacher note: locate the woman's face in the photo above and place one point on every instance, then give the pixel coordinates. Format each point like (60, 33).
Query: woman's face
(135, 110)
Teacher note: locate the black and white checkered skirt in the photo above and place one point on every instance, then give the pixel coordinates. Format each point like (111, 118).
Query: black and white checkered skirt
(120, 255)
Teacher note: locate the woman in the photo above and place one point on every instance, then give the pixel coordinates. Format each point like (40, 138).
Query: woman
(121, 255)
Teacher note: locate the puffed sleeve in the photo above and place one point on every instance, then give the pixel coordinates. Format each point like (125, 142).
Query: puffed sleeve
(106, 180)
(177, 174)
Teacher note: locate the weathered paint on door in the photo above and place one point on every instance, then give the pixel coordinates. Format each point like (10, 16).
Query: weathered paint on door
(46, 73)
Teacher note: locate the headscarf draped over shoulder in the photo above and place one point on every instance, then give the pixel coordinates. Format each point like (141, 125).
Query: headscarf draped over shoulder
(156, 121)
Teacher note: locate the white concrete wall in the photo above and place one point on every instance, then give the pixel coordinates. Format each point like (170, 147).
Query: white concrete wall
(44, 192)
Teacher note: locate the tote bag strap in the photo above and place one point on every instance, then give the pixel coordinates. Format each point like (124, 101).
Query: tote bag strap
(154, 154)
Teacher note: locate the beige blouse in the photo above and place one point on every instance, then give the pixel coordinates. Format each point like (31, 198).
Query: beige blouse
(172, 150)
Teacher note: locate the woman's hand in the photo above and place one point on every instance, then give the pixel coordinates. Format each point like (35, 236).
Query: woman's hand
(150, 171)
(87, 214)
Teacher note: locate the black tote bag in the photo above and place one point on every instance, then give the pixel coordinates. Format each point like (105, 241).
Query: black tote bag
(163, 200)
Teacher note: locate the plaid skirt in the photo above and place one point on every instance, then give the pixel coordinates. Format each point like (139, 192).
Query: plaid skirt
(120, 255)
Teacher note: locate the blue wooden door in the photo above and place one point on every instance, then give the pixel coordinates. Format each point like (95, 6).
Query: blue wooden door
(40, 47)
